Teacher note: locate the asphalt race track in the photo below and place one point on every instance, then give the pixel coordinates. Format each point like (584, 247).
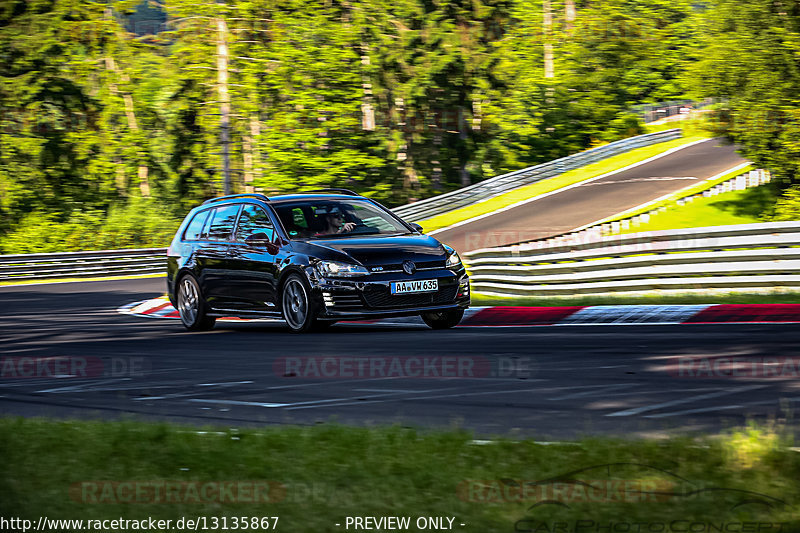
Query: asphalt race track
(547, 382)
(589, 202)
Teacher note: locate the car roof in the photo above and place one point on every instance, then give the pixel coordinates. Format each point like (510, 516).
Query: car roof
(279, 199)
(312, 196)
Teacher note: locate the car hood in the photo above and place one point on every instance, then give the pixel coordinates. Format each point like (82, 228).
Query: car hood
(378, 250)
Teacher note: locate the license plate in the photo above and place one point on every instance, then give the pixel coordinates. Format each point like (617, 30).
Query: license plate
(422, 285)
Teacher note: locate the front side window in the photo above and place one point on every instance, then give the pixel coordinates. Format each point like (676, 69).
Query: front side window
(220, 224)
(253, 220)
(314, 219)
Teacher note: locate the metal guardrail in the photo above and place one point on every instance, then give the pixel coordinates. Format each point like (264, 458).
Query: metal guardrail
(675, 261)
(498, 185)
(659, 110)
(25, 267)
(689, 260)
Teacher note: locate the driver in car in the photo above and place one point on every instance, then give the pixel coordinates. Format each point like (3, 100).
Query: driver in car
(334, 223)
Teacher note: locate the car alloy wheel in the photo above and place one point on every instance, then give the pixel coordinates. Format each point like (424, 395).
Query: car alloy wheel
(192, 306)
(296, 305)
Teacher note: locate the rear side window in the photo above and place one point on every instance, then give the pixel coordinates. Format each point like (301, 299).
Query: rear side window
(221, 221)
(195, 228)
(253, 220)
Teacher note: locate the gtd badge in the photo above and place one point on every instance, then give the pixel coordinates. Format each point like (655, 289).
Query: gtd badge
(409, 267)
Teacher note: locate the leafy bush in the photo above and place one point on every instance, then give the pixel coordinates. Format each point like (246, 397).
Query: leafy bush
(142, 223)
(788, 206)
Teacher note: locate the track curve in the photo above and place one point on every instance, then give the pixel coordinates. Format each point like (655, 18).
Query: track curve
(565, 210)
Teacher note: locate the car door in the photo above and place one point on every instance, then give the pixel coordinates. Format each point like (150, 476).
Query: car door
(213, 255)
(254, 270)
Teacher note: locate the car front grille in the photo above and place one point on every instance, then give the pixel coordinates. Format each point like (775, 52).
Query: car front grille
(378, 296)
(422, 265)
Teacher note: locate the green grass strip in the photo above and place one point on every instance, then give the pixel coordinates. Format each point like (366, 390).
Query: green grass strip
(694, 189)
(318, 476)
(74, 280)
(772, 297)
(721, 210)
(551, 184)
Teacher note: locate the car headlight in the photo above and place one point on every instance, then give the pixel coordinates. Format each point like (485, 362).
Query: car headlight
(452, 259)
(335, 269)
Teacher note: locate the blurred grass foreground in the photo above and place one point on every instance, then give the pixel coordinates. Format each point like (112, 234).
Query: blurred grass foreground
(313, 478)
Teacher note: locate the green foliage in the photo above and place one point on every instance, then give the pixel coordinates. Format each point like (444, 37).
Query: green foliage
(313, 93)
(751, 59)
(623, 52)
(788, 206)
(397, 99)
(49, 118)
(144, 223)
(616, 53)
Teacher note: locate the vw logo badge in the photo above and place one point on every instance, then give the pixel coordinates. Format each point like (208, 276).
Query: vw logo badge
(409, 267)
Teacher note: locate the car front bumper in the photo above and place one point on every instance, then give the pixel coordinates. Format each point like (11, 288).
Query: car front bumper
(370, 296)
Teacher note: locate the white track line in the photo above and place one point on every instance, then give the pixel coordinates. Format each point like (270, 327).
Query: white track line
(693, 411)
(722, 407)
(690, 399)
(237, 402)
(87, 386)
(416, 398)
(591, 392)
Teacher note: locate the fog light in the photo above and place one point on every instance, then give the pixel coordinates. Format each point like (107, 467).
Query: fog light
(327, 299)
(463, 289)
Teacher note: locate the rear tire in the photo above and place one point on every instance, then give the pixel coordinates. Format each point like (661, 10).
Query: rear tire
(443, 319)
(191, 305)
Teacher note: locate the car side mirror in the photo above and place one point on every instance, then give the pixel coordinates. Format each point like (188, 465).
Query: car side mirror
(259, 240)
(415, 227)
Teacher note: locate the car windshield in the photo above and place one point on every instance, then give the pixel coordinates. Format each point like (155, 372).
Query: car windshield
(329, 218)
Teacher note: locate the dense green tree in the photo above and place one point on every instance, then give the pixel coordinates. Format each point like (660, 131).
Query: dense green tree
(433, 71)
(307, 79)
(623, 52)
(398, 99)
(50, 117)
(751, 60)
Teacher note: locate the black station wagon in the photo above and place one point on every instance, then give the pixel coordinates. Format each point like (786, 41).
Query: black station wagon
(312, 259)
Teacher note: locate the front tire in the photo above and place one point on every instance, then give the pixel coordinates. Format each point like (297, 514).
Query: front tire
(296, 306)
(443, 319)
(191, 305)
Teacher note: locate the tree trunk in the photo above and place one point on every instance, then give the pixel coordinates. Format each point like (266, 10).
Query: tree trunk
(224, 102)
(130, 113)
(549, 70)
(569, 13)
(367, 107)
